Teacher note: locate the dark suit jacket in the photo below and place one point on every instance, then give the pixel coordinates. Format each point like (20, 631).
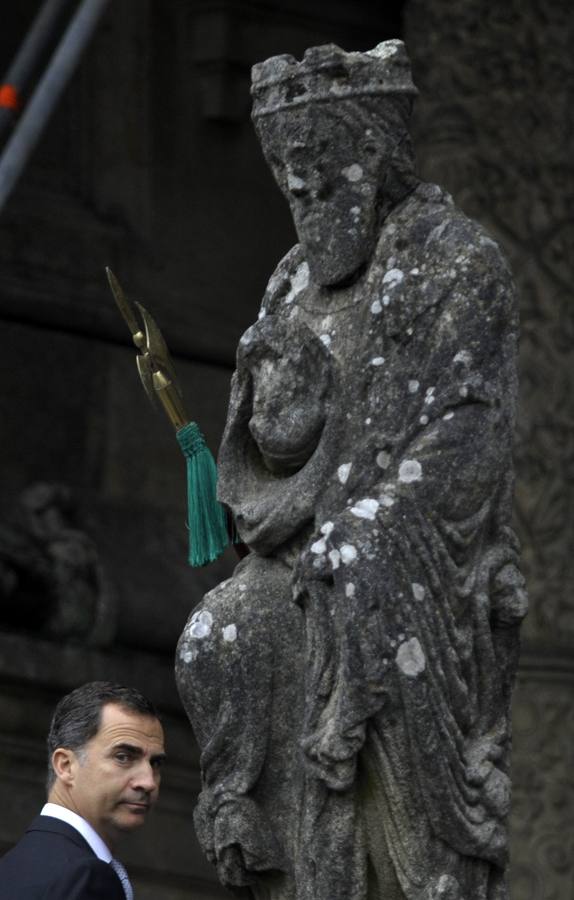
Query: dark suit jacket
(53, 862)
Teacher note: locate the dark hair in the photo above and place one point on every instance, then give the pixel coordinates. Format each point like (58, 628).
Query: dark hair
(77, 716)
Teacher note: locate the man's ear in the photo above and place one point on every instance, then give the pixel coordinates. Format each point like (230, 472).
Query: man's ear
(63, 763)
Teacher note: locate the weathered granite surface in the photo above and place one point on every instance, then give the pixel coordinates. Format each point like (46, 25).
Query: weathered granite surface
(350, 684)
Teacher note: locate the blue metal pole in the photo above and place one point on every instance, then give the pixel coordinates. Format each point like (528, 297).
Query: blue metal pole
(33, 50)
(58, 72)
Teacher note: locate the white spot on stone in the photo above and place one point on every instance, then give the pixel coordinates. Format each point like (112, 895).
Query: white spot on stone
(378, 361)
(294, 183)
(376, 307)
(326, 528)
(242, 587)
(299, 282)
(448, 415)
(415, 271)
(424, 420)
(201, 624)
(463, 356)
(353, 172)
(410, 658)
(393, 277)
(326, 339)
(386, 299)
(349, 589)
(365, 509)
(262, 314)
(355, 211)
(418, 590)
(335, 558)
(319, 546)
(368, 421)
(410, 470)
(229, 633)
(414, 385)
(187, 653)
(343, 472)
(463, 391)
(383, 459)
(387, 500)
(348, 554)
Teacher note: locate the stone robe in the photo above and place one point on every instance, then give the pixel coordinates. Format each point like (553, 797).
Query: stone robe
(350, 684)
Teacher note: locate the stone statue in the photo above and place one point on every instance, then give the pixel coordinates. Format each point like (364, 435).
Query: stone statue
(350, 684)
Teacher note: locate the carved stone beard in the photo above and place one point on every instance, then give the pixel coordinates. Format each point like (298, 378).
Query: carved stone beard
(342, 166)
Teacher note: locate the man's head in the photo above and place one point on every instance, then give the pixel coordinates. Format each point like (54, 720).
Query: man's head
(334, 130)
(105, 750)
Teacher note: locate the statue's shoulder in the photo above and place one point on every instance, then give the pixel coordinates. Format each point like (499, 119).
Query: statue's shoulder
(431, 222)
(289, 279)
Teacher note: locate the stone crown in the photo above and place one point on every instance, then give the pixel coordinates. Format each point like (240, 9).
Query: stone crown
(328, 73)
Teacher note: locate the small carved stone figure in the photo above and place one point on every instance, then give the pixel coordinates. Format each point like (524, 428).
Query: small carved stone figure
(51, 578)
(350, 684)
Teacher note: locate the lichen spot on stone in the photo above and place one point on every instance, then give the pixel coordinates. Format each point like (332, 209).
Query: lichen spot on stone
(424, 420)
(186, 653)
(410, 470)
(418, 590)
(410, 658)
(325, 339)
(319, 546)
(383, 459)
(335, 558)
(463, 356)
(352, 173)
(365, 509)
(201, 624)
(414, 385)
(348, 554)
(299, 282)
(326, 528)
(229, 633)
(386, 299)
(378, 361)
(343, 472)
(294, 183)
(448, 415)
(376, 307)
(349, 590)
(393, 277)
(262, 313)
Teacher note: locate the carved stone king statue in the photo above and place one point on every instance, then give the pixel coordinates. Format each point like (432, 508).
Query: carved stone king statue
(350, 684)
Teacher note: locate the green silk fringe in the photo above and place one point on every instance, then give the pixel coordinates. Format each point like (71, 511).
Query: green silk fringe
(206, 518)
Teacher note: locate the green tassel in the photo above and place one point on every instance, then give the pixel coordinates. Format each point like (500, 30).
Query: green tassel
(206, 517)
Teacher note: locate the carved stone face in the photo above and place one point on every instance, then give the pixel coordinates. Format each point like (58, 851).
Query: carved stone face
(329, 168)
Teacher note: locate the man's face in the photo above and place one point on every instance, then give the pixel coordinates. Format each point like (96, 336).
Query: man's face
(329, 169)
(115, 780)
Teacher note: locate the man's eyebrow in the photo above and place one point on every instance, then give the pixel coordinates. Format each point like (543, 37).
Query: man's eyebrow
(135, 750)
(128, 748)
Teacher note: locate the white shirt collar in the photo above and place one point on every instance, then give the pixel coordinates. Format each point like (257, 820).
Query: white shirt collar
(92, 837)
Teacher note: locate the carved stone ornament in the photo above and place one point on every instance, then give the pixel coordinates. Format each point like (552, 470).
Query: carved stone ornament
(52, 581)
(350, 684)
